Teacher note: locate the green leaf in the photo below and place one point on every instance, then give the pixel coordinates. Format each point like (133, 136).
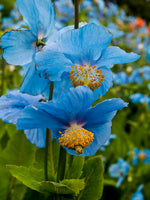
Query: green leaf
(93, 174)
(33, 178)
(75, 184)
(75, 169)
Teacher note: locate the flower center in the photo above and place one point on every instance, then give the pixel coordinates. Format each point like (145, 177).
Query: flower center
(142, 156)
(87, 76)
(76, 138)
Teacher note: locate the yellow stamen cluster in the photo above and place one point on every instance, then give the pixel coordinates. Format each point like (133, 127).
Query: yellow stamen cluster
(142, 156)
(76, 138)
(87, 76)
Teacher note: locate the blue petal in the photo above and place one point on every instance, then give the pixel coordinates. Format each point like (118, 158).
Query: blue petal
(103, 112)
(84, 45)
(32, 118)
(76, 102)
(34, 84)
(12, 105)
(52, 64)
(106, 84)
(115, 55)
(36, 137)
(39, 15)
(120, 180)
(19, 46)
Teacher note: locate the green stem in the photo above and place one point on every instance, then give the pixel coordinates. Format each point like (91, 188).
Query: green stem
(2, 76)
(61, 164)
(76, 4)
(48, 142)
(51, 153)
(46, 156)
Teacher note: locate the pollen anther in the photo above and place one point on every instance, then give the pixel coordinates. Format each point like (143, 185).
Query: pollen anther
(142, 156)
(76, 138)
(87, 76)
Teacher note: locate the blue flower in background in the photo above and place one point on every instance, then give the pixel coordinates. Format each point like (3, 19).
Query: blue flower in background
(138, 75)
(1, 7)
(114, 29)
(84, 51)
(7, 22)
(20, 46)
(143, 155)
(81, 130)
(66, 9)
(11, 107)
(138, 194)
(121, 78)
(140, 98)
(119, 170)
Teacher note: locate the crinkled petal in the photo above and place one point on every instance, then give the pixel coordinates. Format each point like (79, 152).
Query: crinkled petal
(84, 45)
(103, 112)
(76, 102)
(52, 64)
(33, 83)
(115, 55)
(39, 15)
(36, 136)
(18, 46)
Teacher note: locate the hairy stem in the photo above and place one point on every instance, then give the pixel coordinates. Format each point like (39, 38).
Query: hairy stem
(76, 4)
(48, 142)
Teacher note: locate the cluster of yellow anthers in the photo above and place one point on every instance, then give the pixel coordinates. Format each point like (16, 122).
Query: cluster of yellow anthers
(76, 139)
(87, 76)
(142, 156)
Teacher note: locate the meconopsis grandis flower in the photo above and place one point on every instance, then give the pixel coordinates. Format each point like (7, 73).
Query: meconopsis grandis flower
(78, 127)
(86, 58)
(20, 46)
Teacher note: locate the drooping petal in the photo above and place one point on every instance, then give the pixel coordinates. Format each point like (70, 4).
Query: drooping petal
(115, 55)
(84, 45)
(52, 64)
(12, 105)
(18, 46)
(103, 112)
(32, 118)
(39, 15)
(36, 136)
(33, 83)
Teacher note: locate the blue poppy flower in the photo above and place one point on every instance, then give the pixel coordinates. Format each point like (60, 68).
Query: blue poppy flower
(65, 8)
(84, 51)
(11, 107)
(119, 170)
(143, 155)
(1, 7)
(138, 194)
(77, 127)
(121, 78)
(20, 46)
(140, 98)
(138, 75)
(7, 22)
(114, 29)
